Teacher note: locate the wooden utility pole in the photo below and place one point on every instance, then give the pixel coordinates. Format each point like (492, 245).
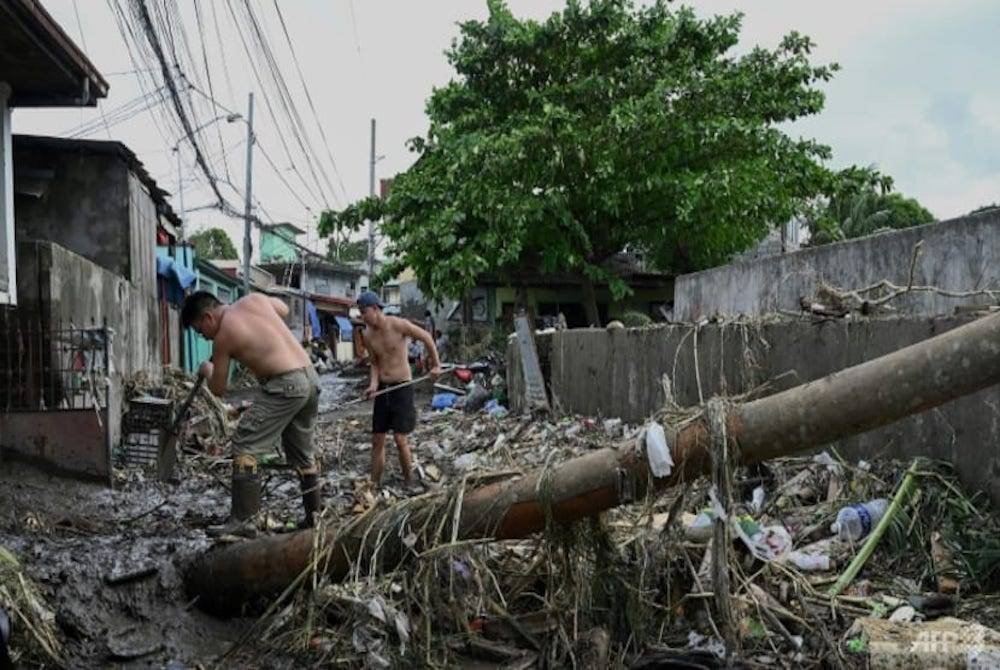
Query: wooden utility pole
(852, 401)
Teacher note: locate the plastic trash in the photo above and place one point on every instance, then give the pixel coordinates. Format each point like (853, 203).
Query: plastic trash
(495, 409)
(757, 501)
(613, 427)
(443, 400)
(772, 543)
(476, 398)
(856, 521)
(809, 562)
(661, 463)
(466, 462)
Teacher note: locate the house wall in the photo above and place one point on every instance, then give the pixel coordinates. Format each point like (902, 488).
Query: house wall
(66, 288)
(643, 300)
(329, 283)
(960, 255)
(85, 208)
(142, 224)
(8, 265)
(274, 248)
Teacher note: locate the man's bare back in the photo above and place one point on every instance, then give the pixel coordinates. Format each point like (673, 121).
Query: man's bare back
(253, 333)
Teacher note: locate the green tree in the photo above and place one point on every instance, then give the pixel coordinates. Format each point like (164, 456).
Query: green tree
(606, 126)
(343, 250)
(213, 244)
(864, 211)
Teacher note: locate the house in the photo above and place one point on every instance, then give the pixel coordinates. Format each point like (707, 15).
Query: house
(94, 203)
(493, 300)
(260, 279)
(59, 391)
(296, 266)
(40, 66)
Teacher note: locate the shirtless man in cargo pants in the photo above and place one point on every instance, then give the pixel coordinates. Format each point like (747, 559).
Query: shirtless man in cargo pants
(253, 331)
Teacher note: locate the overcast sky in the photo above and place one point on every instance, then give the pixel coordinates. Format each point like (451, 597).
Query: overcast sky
(916, 95)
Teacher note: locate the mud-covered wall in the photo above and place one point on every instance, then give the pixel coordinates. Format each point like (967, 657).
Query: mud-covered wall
(618, 373)
(61, 289)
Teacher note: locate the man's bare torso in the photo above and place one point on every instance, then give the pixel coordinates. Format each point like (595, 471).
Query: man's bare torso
(254, 334)
(387, 346)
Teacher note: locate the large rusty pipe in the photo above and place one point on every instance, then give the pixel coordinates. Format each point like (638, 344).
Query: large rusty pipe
(911, 380)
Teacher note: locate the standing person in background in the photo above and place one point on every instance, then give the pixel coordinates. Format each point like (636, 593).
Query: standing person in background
(385, 339)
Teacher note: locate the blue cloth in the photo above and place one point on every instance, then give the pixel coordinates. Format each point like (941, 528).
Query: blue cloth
(313, 318)
(346, 329)
(178, 278)
(443, 400)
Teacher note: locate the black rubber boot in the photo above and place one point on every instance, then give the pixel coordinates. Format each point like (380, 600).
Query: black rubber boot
(246, 494)
(311, 500)
(245, 505)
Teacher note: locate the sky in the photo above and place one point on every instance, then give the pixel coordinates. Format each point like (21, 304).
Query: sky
(915, 95)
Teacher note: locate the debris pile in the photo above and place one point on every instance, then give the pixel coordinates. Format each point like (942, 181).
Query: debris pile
(211, 420)
(28, 633)
(637, 587)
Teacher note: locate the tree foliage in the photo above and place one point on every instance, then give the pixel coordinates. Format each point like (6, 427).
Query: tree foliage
(605, 127)
(856, 212)
(213, 244)
(345, 250)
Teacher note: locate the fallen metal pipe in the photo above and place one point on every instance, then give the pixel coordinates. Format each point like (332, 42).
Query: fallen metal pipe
(872, 394)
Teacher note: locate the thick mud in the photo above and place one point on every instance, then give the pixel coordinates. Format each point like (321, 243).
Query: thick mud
(110, 561)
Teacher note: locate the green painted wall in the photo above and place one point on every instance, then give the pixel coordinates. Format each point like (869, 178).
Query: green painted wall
(274, 245)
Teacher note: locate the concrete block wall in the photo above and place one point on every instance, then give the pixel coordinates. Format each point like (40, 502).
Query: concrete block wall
(618, 373)
(960, 255)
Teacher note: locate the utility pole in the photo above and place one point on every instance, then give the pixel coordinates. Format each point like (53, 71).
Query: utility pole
(371, 224)
(248, 208)
(180, 192)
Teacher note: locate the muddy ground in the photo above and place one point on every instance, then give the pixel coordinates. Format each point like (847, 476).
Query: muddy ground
(110, 562)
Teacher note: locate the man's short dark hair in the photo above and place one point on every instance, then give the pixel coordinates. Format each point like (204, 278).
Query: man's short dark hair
(197, 304)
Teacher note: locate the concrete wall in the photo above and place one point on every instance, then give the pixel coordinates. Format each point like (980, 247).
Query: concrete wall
(141, 231)
(959, 255)
(63, 288)
(85, 206)
(619, 372)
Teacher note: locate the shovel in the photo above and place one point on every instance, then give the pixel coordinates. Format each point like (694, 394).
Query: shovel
(166, 460)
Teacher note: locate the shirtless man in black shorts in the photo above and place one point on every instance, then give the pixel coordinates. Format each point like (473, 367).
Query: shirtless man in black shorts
(385, 340)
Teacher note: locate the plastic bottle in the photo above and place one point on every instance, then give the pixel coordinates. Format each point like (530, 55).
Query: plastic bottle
(856, 521)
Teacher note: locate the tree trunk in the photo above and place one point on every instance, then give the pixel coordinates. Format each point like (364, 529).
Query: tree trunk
(590, 303)
(875, 393)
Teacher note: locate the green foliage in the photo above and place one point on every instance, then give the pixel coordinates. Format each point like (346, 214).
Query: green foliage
(636, 320)
(213, 244)
(855, 212)
(560, 143)
(344, 250)
(985, 208)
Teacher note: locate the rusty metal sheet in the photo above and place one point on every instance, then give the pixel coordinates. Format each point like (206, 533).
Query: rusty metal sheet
(68, 442)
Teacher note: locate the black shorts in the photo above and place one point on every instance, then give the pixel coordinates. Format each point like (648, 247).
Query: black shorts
(394, 411)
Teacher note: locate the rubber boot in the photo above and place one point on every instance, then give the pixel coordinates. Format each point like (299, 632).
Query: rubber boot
(311, 500)
(245, 505)
(246, 494)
